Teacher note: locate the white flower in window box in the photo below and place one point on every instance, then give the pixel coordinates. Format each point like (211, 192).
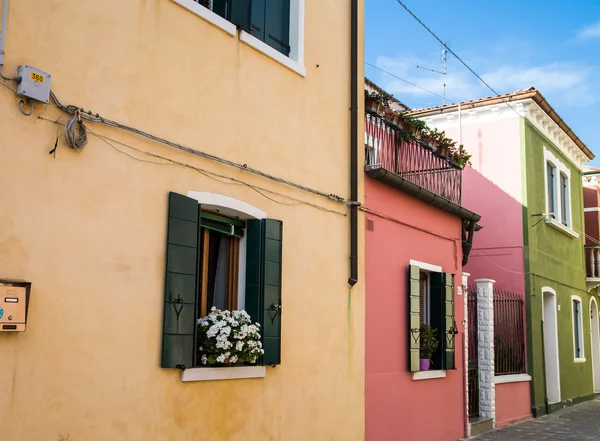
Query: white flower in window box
(226, 337)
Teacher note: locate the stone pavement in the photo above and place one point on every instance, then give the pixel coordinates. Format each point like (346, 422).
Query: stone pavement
(579, 422)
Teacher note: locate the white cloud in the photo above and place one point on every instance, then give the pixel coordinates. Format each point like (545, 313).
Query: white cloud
(590, 31)
(565, 82)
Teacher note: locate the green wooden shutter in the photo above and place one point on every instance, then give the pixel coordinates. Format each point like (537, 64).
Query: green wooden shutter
(263, 283)
(449, 321)
(257, 19)
(239, 13)
(277, 25)
(179, 327)
(220, 7)
(414, 318)
(437, 316)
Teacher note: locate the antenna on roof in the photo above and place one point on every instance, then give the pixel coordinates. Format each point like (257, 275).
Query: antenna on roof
(444, 58)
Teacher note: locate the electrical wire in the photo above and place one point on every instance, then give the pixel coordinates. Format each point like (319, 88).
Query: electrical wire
(97, 118)
(406, 81)
(212, 175)
(76, 133)
(447, 48)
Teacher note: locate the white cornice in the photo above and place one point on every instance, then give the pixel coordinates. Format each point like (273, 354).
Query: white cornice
(527, 109)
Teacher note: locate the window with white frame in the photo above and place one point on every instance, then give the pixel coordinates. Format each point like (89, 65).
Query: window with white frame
(266, 24)
(558, 189)
(578, 345)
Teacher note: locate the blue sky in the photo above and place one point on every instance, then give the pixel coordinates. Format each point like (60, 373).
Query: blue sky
(514, 44)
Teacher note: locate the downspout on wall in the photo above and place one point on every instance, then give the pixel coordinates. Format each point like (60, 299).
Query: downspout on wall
(353, 279)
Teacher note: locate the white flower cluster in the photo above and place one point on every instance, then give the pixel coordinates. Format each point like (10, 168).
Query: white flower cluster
(228, 337)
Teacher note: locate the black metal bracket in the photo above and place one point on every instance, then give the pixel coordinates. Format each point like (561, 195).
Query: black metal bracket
(417, 332)
(276, 309)
(177, 304)
(452, 331)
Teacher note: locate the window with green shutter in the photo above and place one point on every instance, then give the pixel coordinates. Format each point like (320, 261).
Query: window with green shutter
(431, 302)
(202, 271)
(267, 20)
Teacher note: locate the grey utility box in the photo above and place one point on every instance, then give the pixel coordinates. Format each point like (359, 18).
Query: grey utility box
(35, 84)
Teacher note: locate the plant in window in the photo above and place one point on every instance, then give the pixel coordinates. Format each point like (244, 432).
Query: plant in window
(228, 337)
(429, 344)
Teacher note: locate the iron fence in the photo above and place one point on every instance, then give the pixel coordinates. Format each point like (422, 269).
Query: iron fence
(389, 148)
(509, 333)
(472, 363)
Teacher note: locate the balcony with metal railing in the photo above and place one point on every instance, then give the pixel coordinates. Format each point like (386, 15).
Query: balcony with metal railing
(399, 159)
(592, 264)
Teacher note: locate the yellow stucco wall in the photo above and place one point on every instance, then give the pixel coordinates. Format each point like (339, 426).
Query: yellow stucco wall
(88, 229)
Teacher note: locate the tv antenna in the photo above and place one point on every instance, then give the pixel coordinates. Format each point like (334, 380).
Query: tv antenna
(444, 57)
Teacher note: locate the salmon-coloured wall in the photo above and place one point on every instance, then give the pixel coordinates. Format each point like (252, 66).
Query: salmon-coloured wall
(397, 407)
(513, 403)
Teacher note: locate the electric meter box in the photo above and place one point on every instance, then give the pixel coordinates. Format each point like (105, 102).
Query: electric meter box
(14, 304)
(35, 84)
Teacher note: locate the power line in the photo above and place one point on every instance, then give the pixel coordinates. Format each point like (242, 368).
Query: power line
(402, 79)
(447, 48)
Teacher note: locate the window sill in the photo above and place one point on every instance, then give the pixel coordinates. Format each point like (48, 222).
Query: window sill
(428, 375)
(208, 15)
(580, 360)
(514, 378)
(260, 46)
(223, 373)
(560, 227)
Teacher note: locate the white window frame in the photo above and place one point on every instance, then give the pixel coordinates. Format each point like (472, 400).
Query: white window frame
(295, 60)
(555, 219)
(579, 330)
(437, 373)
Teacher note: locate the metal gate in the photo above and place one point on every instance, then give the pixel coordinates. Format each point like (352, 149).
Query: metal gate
(472, 369)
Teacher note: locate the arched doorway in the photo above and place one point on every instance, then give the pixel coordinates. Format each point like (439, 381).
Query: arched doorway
(595, 341)
(551, 360)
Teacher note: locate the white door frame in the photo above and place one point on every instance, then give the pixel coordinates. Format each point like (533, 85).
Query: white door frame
(595, 343)
(551, 353)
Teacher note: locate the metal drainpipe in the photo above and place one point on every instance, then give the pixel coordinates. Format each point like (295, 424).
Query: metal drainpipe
(353, 143)
(3, 35)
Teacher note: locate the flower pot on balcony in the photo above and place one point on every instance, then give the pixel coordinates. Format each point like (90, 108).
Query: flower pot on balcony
(424, 364)
(371, 105)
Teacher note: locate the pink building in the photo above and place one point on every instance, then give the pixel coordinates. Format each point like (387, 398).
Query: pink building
(417, 240)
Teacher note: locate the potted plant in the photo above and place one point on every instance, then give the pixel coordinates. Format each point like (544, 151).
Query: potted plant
(461, 157)
(429, 344)
(227, 338)
(376, 102)
(418, 127)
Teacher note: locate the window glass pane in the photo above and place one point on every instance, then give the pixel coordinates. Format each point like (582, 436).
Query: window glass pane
(550, 171)
(576, 328)
(564, 198)
(423, 300)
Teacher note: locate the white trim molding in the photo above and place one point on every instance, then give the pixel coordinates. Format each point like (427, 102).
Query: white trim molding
(527, 109)
(560, 227)
(428, 375)
(208, 15)
(263, 47)
(515, 378)
(227, 205)
(591, 210)
(426, 266)
(223, 373)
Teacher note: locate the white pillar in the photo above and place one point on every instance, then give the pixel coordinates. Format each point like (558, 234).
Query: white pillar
(485, 331)
(465, 281)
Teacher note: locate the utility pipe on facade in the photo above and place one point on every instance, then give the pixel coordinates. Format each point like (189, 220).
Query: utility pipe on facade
(3, 40)
(353, 143)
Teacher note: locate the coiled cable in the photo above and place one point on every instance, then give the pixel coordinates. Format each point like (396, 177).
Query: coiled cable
(76, 133)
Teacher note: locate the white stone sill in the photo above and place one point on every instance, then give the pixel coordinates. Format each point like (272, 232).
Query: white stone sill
(580, 360)
(560, 227)
(428, 375)
(515, 378)
(208, 15)
(223, 373)
(263, 47)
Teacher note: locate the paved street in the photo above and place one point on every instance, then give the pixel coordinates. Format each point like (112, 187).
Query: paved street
(580, 422)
